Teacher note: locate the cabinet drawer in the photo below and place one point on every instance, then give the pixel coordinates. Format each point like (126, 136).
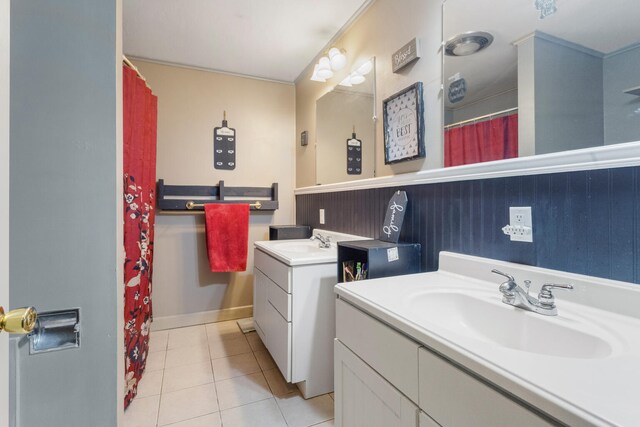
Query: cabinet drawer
(454, 398)
(273, 269)
(390, 353)
(278, 332)
(260, 289)
(279, 299)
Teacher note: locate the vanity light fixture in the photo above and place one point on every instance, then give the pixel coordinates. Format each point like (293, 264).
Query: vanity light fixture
(467, 43)
(358, 76)
(335, 60)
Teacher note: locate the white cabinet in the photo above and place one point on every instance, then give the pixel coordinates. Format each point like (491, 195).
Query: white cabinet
(294, 314)
(385, 378)
(364, 399)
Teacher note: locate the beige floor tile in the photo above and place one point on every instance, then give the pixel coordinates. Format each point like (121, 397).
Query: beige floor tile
(187, 376)
(211, 420)
(155, 361)
(142, 412)
(329, 423)
(229, 347)
(187, 337)
(277, 383)
(255, 342)
(186, 356)
(223, 331)
(240, 391)
(299, 412)
(150, 384)
(158, 341)
(260, 414)
(234, 366)
(189, 403)
(265, 360)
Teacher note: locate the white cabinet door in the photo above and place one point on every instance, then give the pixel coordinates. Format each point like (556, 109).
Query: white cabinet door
(365, 399)
(278, 332)
(260, 286)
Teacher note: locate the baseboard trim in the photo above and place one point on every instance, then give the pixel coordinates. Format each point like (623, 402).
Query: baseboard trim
(193, 319)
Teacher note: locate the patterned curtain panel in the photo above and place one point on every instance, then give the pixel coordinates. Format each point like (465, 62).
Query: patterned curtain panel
(139, 167)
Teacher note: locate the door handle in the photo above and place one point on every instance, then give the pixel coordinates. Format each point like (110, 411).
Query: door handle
(18, 321)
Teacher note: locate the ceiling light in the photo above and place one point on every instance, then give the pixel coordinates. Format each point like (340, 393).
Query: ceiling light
(324, 68)
(338, 58)
(468, 43)
(365, 68)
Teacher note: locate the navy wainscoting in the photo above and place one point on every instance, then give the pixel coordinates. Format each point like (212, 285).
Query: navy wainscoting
(585, 222)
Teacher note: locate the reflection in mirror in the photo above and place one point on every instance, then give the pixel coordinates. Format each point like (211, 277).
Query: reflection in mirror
(345, 128)
(555, 77)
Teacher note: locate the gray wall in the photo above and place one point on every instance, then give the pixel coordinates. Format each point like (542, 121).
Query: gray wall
(568, 97)
(63, 202)
(492, 104)
(621, 110)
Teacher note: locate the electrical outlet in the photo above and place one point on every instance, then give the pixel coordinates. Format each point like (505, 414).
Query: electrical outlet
(520, 228)
(321, 216)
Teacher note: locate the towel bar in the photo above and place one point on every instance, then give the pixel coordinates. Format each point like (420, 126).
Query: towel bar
(191, 204)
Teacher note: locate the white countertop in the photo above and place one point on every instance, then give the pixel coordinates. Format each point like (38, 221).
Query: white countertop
(305, 251)
(602, 390)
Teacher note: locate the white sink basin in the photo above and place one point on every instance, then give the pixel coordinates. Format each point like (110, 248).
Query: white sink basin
(306, 247)
(484, 316)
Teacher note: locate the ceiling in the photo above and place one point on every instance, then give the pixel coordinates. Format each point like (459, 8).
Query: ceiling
(603, 26)
(271, 39)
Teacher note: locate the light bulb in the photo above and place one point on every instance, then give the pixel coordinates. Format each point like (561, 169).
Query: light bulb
(346, 82)
(324, 68)
(337, 58)
(314, 76)
(365, 68)
(356, 78)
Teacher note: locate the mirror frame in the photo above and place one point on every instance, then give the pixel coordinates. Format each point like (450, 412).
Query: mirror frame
(603, 157)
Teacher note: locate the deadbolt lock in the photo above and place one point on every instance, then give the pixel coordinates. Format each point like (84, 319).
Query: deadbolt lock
(18, 321)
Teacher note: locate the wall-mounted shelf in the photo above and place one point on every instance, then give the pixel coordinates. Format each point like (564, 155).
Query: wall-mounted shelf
(192, 198)
(633, 91)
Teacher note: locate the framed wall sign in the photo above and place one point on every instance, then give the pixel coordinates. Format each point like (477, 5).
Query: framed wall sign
(403, 115)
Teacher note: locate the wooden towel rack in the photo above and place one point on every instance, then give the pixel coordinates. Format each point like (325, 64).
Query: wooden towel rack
(192, 198)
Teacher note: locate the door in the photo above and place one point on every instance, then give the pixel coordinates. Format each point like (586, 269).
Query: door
(64, 206)
(364, 398)
(4, 209)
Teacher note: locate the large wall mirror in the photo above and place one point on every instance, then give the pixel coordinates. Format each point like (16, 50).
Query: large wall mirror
(345, 128)
(525, 77)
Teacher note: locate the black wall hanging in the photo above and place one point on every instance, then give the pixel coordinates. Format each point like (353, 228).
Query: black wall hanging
(394, 217)
(354, 155)
(224, 146)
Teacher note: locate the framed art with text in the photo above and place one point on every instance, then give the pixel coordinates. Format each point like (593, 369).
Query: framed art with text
(403, 115)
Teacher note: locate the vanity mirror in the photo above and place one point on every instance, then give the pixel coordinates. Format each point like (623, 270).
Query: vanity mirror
(345, 128)
(523, 78)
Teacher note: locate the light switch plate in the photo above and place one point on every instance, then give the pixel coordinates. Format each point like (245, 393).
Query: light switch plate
(321, 216)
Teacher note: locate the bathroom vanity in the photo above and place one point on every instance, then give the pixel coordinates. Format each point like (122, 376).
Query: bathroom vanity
(442, 349)
(294, 308)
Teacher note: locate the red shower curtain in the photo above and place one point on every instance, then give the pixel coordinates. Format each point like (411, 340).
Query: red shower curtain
(139, 167)
(493, 139)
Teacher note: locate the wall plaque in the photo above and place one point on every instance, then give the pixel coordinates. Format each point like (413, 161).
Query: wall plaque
(394, 217)
(457, 90)
(405, 55)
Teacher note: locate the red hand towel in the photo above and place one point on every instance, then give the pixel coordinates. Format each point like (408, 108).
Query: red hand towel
(227, 230)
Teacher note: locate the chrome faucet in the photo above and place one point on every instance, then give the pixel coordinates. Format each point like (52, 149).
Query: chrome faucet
(514, 295)
(324, 241)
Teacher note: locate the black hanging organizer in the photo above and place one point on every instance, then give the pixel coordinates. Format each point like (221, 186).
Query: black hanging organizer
(224, 146)
(354, 155)
(192, 198)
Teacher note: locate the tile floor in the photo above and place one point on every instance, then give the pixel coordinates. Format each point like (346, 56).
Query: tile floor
(214, 375)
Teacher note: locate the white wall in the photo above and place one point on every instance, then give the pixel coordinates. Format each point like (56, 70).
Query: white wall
(621, 110)
(492, 104)
(384, 28)
(190, 105)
